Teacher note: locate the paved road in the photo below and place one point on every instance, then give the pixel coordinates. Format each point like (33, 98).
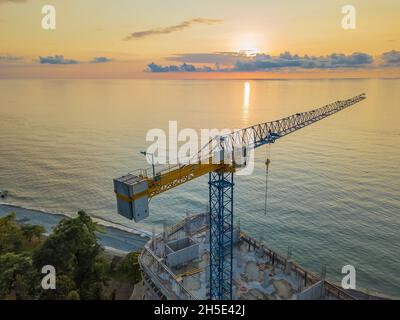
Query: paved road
(113, 238)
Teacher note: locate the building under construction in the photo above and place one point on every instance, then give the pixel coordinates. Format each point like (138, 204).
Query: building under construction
(176, 265)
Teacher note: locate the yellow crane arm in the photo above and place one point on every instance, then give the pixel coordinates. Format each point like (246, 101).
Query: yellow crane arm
(133, 192)
(166, 180)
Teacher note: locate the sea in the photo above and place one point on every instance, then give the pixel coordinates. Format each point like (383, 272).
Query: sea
(333, 195)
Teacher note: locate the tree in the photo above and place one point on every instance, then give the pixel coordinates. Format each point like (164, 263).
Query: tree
(96, 291)
(113, 295)
(11, 237)
(30, 231)
(73, 249)
(17, 276)
(64, 286)
(130, 267)
(73, 295)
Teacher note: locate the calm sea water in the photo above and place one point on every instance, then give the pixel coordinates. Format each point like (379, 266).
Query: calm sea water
(334, 187)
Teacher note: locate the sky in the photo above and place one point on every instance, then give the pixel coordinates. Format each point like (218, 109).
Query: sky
(199, 39)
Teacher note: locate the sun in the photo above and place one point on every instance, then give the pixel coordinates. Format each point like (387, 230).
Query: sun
(248, 52)
(247, 44)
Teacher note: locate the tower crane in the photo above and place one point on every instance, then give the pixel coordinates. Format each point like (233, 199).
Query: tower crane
(134, 190)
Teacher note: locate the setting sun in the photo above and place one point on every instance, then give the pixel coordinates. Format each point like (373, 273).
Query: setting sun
(248, 43)
(248, 52)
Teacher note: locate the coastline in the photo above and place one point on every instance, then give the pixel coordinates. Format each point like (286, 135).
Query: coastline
(118, 241)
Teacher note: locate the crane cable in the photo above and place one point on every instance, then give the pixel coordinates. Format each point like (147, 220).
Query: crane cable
(267, 162)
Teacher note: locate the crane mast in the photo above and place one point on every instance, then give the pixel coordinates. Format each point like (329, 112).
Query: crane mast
(134, 190)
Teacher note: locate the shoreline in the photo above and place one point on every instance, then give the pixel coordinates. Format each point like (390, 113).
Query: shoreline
(116, 240)
(101, 221)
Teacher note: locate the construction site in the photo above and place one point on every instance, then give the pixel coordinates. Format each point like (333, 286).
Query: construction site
(207, 255)
(176, 265)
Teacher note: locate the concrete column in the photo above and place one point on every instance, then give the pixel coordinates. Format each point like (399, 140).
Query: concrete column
(236, 277)
(266, 281)
(153, 238)
(207, 240)
(260, 251)
(239, 259)
(164, 232)
(175, 287)
(187, 224)
(207, 274)
(288, 268)
(162, 250)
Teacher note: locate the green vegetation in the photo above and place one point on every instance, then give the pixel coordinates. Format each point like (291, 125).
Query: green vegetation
(83, 270)
(128, 269)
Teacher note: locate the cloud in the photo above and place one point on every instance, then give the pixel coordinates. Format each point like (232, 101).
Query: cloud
(57, 59)
(12, 1)
(265, 62)
(224, 58)
(390, 59)
(100, 60)
(170, 29)
(152, 67)
(9, 58)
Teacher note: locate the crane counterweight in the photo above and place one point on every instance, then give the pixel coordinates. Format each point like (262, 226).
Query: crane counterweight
(128, 188)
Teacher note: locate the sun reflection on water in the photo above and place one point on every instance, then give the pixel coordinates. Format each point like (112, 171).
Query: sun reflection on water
(246, 100)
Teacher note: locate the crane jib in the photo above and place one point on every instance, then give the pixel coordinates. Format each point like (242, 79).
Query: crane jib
(133, 191)
(269, 132)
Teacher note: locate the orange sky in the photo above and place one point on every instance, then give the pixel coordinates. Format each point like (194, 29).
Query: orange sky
(164, 29)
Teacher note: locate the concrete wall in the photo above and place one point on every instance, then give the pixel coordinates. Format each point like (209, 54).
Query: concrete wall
(236, 235)
(312, 293)
(184, 254)
(176, 245)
